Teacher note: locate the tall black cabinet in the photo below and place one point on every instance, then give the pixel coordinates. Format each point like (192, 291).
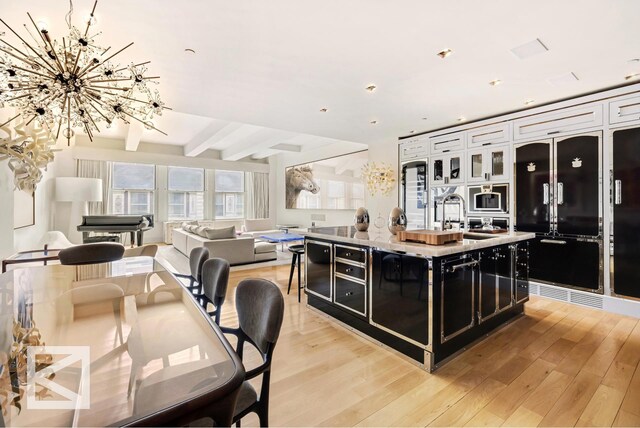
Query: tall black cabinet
(625, 274)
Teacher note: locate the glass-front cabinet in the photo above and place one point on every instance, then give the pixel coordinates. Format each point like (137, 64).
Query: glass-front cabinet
(447, 169)
(488, 164)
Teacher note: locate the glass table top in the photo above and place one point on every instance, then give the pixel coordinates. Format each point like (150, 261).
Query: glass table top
(108, 344)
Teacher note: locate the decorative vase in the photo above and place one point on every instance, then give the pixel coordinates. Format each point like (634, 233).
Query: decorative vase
(397, 220)
(361, 219)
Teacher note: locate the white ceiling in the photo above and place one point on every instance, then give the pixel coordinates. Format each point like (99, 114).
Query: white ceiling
(275, 64)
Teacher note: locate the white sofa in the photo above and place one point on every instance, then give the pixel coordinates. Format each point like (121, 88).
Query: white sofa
(258, 226)
(236, 251)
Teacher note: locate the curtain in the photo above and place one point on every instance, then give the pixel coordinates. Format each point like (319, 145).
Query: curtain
(97, 169)
(257, 190)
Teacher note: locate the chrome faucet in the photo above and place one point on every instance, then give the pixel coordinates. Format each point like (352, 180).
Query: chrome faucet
(447, 224)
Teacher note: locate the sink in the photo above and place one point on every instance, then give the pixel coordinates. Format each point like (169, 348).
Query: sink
(475, 237)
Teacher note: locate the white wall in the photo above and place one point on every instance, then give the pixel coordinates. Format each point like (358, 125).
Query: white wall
(6, 210)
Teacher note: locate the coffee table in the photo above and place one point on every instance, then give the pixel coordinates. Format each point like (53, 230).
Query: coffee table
(281, 238)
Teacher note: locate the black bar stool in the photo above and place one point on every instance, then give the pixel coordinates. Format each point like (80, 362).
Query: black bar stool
(298, 252)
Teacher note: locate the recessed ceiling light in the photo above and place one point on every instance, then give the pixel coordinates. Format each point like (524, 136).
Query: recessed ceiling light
(529, 49)
(323, 110)
(445, 53)
(462, 119)
(529, 102)
(373, 122)
(634, 60)
(190, 50)
(371, 88)
(495, 82)
(424, 118)
(631, 76)
(412, 131)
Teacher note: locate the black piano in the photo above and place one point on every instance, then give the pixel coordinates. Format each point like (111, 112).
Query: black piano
(136, 225)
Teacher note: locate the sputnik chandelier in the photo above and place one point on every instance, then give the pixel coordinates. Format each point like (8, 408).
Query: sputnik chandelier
(378, 177)
(73, 83)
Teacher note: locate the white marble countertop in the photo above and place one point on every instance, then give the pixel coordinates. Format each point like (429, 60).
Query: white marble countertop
(383, 239)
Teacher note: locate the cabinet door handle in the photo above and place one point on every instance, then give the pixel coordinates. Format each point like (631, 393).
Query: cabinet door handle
(553, 132)
(463, 265)
(545, 192)
(560, 193)
(552, 241)
(487, 176)
(618, 190)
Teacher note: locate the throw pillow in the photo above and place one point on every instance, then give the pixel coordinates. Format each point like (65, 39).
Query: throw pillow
(199, 230)
(224, 233)
(184, 224)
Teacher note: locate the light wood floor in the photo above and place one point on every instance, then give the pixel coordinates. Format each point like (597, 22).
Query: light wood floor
(559, 365)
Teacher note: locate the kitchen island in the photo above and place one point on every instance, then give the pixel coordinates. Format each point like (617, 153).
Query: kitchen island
(425, 302)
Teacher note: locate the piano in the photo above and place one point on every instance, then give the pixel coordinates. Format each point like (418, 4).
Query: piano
(136, 225)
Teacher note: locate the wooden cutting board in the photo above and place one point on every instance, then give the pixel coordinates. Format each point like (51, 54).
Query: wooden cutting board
(430, 237)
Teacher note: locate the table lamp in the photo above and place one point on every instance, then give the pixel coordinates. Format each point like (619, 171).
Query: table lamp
(79, 191)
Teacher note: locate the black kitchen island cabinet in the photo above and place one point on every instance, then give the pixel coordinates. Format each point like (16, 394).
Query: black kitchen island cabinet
(425, 302)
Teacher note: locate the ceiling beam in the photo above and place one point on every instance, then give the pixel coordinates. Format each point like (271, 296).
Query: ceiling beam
(258, 141)
(217, 130)
(287, 147)
(134, 134)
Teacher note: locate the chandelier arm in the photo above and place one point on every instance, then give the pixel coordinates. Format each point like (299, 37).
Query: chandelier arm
(32, 72)
(99, 112)
(8, 121)
(103, 61)
(75, 98)
(59, 128)
(68, 121)
(17, 98)
(107, 87)
(29, 46)
(25, 60)
(31, 120)
(86, 31)
(144, 123)
(47, 40)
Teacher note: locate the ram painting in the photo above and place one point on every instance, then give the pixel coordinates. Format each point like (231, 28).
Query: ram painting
(333, 183)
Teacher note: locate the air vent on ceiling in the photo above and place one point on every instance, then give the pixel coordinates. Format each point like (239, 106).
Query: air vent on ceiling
(591, 300)
(563, 79)
(529, 49)
(554, 293)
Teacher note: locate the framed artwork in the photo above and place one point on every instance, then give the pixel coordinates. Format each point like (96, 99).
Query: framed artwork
(24, 209)
(327, 184)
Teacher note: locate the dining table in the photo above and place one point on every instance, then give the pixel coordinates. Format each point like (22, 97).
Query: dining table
(110, 344)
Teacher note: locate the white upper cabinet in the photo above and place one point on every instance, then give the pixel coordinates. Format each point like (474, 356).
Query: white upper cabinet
(624, 110)
(445, 143)
(488, 164)
(497, 133)
(414, 148)
(558, 122)
(446, 169)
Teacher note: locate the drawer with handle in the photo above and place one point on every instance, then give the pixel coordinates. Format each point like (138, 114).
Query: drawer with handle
(353, 254)
(357, 273)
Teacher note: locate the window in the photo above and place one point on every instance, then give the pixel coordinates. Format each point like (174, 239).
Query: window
(186, 193)
(336, 195)
(229, 190)
(132, 188)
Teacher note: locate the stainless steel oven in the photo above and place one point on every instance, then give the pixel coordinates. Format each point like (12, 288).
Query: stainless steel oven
(489, 198)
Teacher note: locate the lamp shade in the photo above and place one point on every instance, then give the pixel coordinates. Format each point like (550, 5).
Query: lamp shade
(78, 189)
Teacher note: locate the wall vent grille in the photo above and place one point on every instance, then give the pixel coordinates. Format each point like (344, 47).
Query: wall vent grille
(533, 288)
(590, 300)
(554, 293)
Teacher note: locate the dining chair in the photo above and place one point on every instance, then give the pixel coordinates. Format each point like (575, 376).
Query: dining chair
(197, 257)
(100, 252)
(215, 278)
(260, 308)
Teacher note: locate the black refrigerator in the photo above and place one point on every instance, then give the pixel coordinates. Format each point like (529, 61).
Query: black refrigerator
(558, 196)
(413, 197)
(625, 272)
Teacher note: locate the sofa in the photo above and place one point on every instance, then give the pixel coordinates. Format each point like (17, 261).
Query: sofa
(237, 250)
(258, 226)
